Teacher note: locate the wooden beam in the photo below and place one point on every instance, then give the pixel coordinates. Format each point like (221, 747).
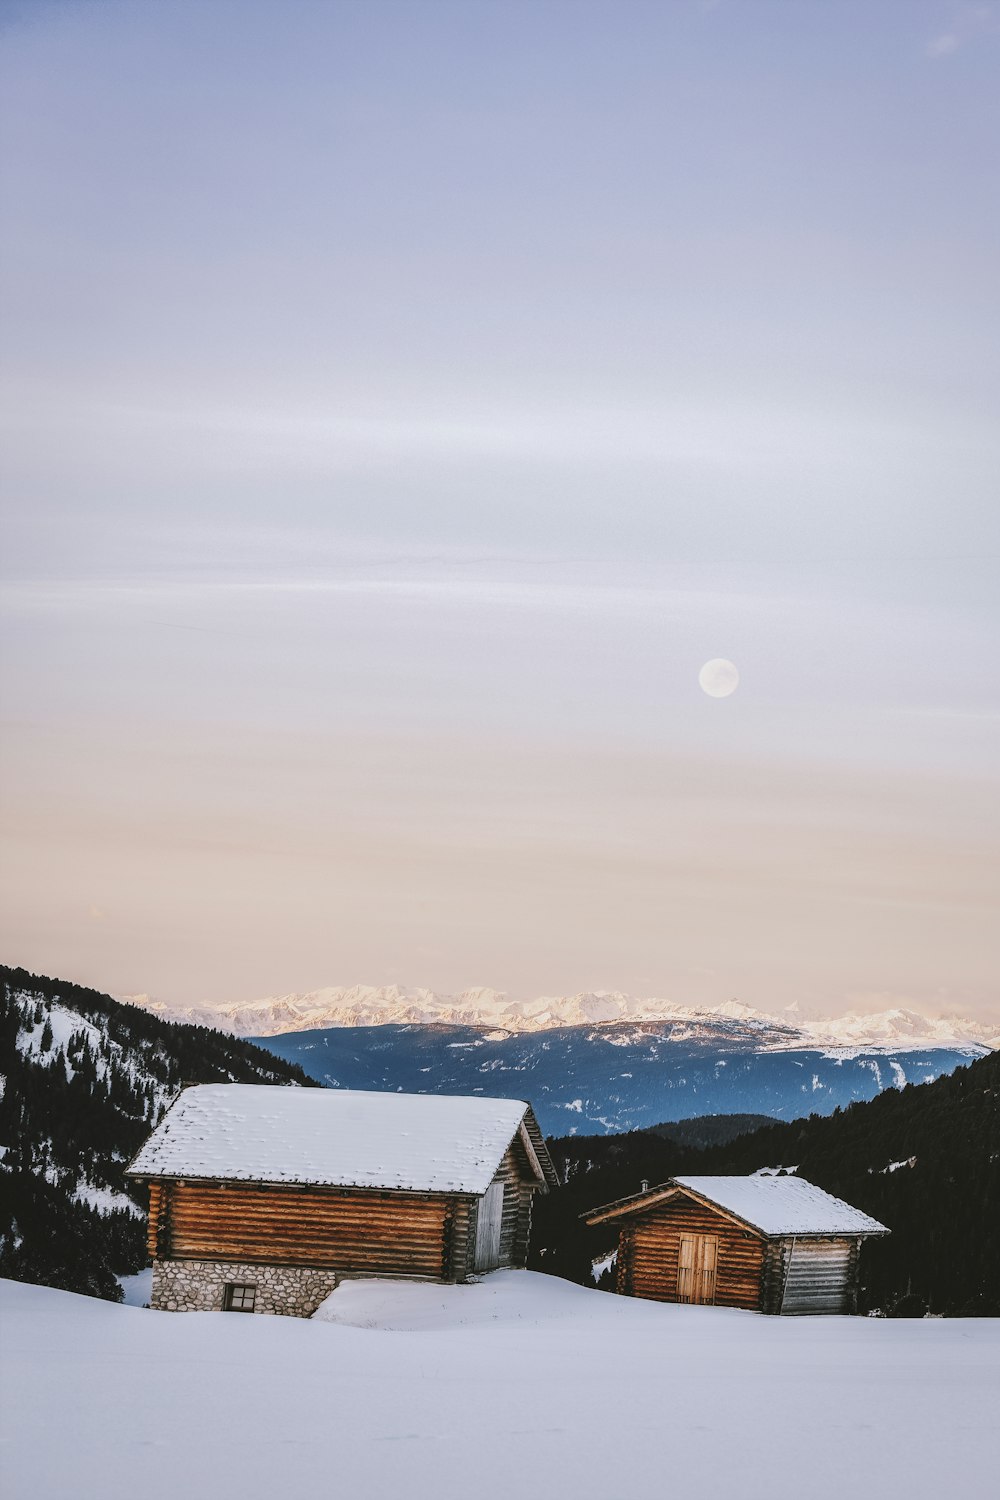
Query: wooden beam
(530, 1153)
(643, 1202)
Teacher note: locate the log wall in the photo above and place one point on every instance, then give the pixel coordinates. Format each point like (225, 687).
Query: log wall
(350, 1232)
(773, 1282)
(462, 1247)
(156, 1239)
(515, 1226)
(649, 1253)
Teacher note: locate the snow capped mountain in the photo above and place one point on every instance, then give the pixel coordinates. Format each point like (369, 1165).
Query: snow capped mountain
(366, 1005)
(600, 1061)
(899, 1029)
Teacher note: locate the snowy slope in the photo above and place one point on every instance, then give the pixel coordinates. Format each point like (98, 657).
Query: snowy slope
(520, 1386)
(55, 1042)
(367, 1005)
(84, 1079)
(52, 1041)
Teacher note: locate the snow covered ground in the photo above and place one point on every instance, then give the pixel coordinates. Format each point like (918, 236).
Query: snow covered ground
(137, 1289)
(522, 1385)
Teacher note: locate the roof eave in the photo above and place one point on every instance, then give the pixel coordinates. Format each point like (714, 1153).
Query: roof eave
(831, 1234)
(329, 1187)
(620, 1208)
(532, 1130)
(624, 1207)
(651, 1199)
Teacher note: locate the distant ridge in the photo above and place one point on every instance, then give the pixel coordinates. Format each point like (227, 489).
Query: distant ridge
(367, 1005)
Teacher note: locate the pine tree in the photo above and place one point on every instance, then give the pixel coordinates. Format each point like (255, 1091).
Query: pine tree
(79, 1117)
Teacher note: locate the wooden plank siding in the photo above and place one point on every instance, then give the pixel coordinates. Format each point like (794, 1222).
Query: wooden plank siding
(520, 1184)
(388, 1233)
(649, 1254)
(818, 1275)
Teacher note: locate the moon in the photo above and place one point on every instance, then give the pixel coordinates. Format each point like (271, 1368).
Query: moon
(718, 678)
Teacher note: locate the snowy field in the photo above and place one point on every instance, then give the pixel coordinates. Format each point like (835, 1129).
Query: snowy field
(520, 1386)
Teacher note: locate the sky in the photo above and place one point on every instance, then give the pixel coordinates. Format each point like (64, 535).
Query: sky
(403, 401)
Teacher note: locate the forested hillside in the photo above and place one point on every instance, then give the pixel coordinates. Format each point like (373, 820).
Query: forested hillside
(702, 1131)
(622, 1076)
(924, 1160)
(84, 1079)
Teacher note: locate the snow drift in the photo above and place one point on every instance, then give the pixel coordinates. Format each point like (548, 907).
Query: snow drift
(520, 1385)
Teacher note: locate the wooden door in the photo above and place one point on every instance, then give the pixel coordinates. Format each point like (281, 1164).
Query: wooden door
(697, 1263)
(488, 1228)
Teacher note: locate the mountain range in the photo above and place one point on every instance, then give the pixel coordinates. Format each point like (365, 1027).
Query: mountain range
(392, 1005)
(618, 1076)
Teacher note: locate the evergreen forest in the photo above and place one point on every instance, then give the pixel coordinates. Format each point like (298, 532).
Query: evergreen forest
(85, 1079)
(925, 1160)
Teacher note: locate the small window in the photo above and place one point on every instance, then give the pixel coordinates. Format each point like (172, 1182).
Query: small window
(240, 1298)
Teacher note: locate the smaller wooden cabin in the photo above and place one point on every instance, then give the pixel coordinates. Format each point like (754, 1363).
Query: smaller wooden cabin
(773, 1244)
(262, 1198)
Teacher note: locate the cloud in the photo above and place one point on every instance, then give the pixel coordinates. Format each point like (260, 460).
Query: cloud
(973, 21)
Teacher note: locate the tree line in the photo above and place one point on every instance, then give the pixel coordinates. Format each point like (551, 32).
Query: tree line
(925, 1160)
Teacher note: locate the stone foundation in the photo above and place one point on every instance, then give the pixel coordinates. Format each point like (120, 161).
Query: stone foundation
(200, 1286)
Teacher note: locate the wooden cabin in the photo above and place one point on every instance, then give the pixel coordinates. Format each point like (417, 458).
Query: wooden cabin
(773, 1244)
(261, 1198)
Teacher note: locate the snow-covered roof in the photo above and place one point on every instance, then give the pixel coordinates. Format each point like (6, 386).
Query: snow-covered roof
(774, 1205)
(424, 1143)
